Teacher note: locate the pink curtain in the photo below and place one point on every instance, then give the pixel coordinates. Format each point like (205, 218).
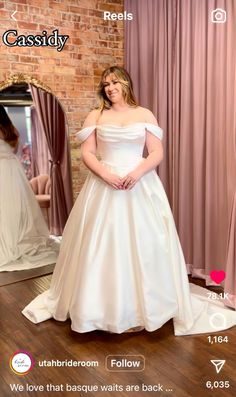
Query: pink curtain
(52, 121)
(184, 69)
(40, 154)
(230, 284)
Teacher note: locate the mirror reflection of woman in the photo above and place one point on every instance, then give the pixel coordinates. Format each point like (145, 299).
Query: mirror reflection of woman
(121, 266)
(24, 235)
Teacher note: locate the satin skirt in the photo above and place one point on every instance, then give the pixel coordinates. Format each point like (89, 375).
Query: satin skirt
(24, 235)
(121, 265)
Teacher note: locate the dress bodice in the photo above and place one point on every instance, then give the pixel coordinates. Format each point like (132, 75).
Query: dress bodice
(120, 145)
(6, 151)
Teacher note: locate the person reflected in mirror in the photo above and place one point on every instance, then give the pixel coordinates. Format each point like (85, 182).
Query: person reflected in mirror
(24, 235)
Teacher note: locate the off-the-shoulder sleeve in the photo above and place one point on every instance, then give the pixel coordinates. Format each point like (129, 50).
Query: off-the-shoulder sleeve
(154, 129)
(83, 134)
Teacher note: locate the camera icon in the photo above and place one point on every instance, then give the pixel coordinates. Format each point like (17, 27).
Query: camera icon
(218, 16)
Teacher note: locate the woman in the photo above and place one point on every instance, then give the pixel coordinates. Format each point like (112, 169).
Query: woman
(24, 236)
(121, 266)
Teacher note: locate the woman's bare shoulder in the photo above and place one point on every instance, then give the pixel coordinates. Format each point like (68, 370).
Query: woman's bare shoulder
(92, 118)
(147, 115)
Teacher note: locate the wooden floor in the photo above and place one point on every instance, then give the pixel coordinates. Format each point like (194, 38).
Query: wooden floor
(178, 363)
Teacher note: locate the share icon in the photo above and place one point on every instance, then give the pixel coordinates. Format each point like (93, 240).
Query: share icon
(218, 364)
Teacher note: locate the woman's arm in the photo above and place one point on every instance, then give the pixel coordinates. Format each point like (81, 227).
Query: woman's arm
(154, 158)
(88, 149)
(16, 145)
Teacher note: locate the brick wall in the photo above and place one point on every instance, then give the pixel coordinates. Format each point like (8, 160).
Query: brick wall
(73, 73)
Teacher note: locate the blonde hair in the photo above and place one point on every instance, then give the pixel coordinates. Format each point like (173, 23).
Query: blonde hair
(127, 87)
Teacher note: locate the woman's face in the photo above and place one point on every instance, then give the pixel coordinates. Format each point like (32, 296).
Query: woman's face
(113, 89)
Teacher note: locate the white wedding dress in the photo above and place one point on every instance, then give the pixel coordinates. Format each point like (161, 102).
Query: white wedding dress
(24, 236)
(121, 264)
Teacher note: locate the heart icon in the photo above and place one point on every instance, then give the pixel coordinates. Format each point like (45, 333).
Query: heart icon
(217, 276)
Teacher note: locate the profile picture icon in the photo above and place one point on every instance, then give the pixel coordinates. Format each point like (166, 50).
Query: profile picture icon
(218, 16)
(21, 362)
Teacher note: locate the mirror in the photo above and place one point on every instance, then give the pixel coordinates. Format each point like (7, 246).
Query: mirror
(43, 149)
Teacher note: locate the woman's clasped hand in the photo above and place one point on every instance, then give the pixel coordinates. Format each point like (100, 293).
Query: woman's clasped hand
(125, 183)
